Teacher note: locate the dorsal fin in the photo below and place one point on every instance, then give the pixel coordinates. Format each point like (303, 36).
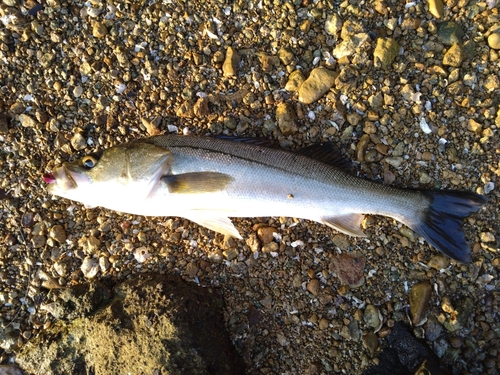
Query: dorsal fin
(327, 153)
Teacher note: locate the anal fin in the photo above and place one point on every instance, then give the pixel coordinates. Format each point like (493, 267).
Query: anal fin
(348, 224)
(218, 224)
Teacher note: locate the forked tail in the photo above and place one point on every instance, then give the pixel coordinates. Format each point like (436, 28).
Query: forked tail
(443, 219)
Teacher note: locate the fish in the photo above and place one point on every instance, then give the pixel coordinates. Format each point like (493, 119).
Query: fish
(209, 179)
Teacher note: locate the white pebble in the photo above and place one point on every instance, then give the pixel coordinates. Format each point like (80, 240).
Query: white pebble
(424, 126)
(141, 254)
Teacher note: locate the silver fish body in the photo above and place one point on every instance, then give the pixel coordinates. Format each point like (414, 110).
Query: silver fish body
(208, 180)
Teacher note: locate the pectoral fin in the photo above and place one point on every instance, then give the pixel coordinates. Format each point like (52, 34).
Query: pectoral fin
(348, 224)
(197, 182)
(218, 224)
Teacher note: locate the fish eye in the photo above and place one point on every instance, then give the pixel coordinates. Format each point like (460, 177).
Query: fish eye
(89, 161)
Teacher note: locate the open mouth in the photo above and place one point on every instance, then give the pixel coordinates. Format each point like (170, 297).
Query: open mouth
(49, 178)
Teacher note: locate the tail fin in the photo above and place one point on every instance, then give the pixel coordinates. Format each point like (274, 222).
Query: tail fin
(442, 222)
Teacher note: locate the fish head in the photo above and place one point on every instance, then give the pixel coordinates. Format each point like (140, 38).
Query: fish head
(109, 179)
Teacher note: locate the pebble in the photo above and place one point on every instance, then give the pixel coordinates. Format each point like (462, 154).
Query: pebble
(286, 118)
(27, 121)
(90, 267)
(99, 30)
(10, 370)
(450, 32)
(494, 40)
(266, 234)
(386, 50)
(78, 91)
(319, 82)
(27, 220)
(372, 317)
(370, 342)
(454, 56)
(141, 254)
(349, 45)
(78, 142)
(439, 262)
(58, 233)
(350, 268)
(395, 161)
(487, 237)
(150, 126)
(313, 287)
(420, 295)
(333, 24)
(271, 247)
(230, 66)
(295, 80)
(436, 8)
(285, 56)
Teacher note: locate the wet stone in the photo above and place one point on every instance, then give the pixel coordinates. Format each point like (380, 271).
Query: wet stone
(420, 295)
(450, 32)
(313, 287)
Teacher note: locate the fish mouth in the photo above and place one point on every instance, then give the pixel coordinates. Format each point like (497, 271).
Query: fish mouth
(60, 177)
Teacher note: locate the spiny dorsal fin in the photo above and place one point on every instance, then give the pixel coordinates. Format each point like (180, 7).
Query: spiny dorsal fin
(327, 153)
(197, 182)
(348, 224)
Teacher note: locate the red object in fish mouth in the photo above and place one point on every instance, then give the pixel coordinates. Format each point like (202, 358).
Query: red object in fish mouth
(49, 178)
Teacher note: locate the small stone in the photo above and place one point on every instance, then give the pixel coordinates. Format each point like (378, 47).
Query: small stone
(192, 269)
(150, 126)
(370, 342)
(286, 118)
(333, 24)
(420, 295)
(408, 233)
(350, 268)
(141, 254)
(474, 126)
(454, 56)
(78, 142)
(371, 317)
(491, 83)
(58, 233)
(285, 56)
(186, 110)
(323, 324)
(271, 247)
(295, 80)
(439, 262)
(266, 234)
(200, 108)
(90, 267)
(27, 121)
(494, 40)
(104, 264)
(99, 30)
(487, 237)
(436, 8)
(230, 254)
(395, 161)
(319, 82)
(27, 220)
(267, 302)
(349, 45)
(449, 32)
(386, 50)
(12, 370)
(313, 287)
(78, 91)
(230, 66)
(38, 241)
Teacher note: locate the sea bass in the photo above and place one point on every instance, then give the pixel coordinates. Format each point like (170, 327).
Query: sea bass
(209, 179)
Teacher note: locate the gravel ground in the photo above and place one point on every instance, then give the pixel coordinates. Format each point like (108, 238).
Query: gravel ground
(408, 91)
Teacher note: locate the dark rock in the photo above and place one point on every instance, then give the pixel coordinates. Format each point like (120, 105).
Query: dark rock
(154, 324)
(404, 354)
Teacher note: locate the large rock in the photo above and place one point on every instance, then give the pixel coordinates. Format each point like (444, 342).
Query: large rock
(319, 82)
(153, 324)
